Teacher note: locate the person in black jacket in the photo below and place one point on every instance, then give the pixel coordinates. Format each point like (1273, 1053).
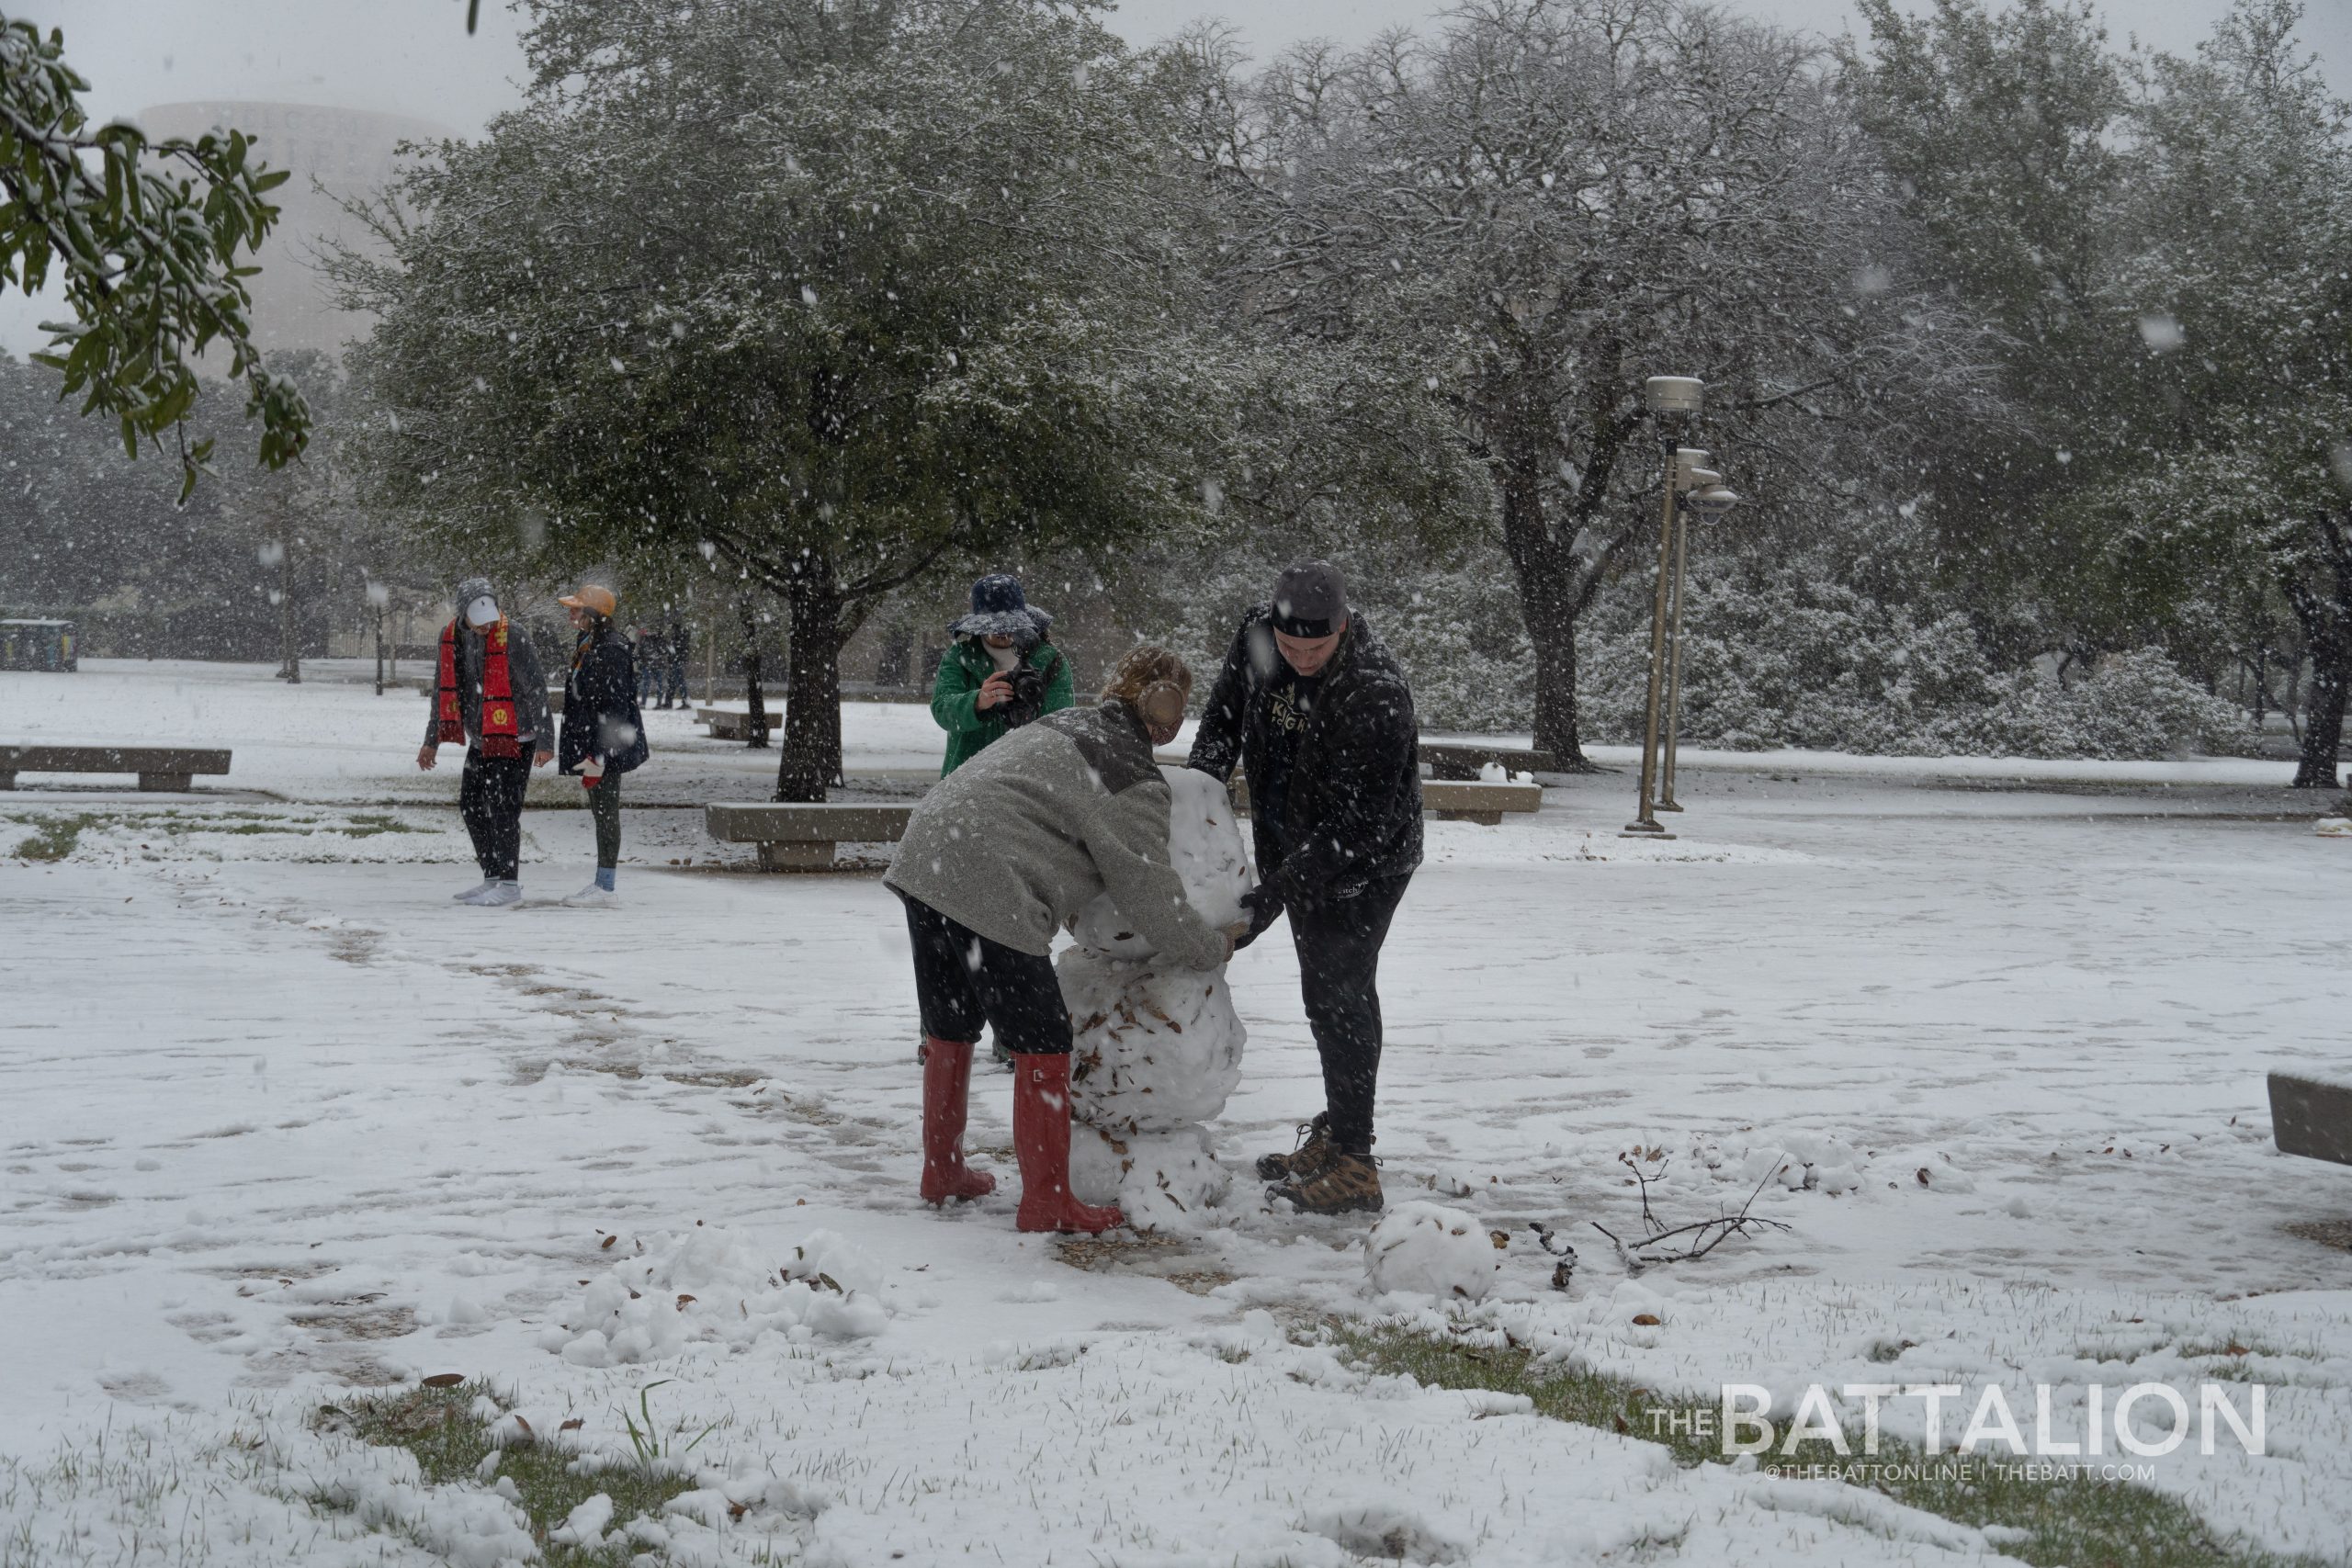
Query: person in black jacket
(603, 729)
(1318, 714)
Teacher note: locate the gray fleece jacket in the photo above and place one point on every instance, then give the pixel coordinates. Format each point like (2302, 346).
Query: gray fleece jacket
(1020, 838)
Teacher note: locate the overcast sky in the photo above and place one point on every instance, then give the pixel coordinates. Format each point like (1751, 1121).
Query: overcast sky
(412, 57)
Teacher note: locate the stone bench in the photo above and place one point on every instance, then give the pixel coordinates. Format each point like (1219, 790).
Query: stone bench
(801, 836)
(1457, 801)
(2311, 1117)
(735, 723)
(159, 767)
(1446, 759)
(1450, 800)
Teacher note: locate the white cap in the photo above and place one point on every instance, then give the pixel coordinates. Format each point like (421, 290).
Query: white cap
(482, 612)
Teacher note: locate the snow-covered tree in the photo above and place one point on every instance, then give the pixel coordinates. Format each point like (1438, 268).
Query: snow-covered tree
(839, 291)
(1547, 201)
(2234, 305)
(146, 239)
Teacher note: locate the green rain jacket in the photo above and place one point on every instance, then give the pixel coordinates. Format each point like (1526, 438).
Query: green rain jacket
(954, 697)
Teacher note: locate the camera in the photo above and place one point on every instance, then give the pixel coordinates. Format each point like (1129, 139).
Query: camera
(1028, 702)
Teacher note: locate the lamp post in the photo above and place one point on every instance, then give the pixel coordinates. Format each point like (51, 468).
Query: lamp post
(1704, 493)
(1674, 402)
(1691, 485)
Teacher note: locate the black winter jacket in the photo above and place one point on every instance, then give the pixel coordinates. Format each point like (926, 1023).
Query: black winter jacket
(600, 713)
(1354, 805)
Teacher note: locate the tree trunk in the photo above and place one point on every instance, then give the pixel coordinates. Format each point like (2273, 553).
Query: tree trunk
(2328, 630)
(2322, 604)
(1552, 632)
(756, 730)
(289, 650)
(1546, 569)
(812, 710)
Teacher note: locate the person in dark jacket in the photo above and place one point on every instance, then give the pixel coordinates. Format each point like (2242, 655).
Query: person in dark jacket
(675, 650)
(603, 729)
(1319, 716)
(491, 697)
(1001, 671)
(995, 861)
(650, 656)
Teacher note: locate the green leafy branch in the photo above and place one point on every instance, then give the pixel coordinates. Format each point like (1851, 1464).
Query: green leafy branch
(148, 236)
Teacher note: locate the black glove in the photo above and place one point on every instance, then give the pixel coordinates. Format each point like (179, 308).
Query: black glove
(1264, 906)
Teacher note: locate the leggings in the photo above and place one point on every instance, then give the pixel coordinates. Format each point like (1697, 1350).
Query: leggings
(1339, 971)
(963, 980)
(604, 806)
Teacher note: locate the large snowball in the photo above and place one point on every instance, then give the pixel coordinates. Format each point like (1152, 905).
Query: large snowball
(1156, 1048)
(1158, 1179)
(1432, 1249)
(1205, 844)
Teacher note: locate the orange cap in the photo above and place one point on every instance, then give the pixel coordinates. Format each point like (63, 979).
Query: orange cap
(591, 597)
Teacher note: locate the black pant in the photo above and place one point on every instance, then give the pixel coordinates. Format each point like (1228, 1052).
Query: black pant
(604, 807)
(1339, 969)
(490, 800)
(963, 980)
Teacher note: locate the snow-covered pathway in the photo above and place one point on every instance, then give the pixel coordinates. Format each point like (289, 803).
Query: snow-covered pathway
(279, 1117)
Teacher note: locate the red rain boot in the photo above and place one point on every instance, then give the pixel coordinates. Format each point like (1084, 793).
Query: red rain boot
(1041, 1139)
(946, 1085)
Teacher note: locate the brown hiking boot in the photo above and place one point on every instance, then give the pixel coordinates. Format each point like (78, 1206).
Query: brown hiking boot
(1313, 1153)
(1347, 1184)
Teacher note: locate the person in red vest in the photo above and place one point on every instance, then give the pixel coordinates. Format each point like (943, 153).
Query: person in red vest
(494, 699)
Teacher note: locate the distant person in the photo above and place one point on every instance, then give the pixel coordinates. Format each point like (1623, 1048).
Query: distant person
(491, 697)
(676, 647)
(995, 860)
(604, 730)
(1319, 715)
(651, 657)
(1003, 671)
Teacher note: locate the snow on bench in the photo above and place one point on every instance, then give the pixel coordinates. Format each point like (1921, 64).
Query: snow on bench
(1450, 800)
(159, 767)
(2311, 1117)
(734, 724)
(800, 837)
(1448, 760)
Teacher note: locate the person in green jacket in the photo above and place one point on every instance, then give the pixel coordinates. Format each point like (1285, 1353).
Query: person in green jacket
(1000, 672)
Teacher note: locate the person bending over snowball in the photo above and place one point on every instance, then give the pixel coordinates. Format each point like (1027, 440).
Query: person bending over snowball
(493, 699)
(1008, 846)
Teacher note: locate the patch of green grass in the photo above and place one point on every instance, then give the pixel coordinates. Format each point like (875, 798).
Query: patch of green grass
(2082, 1522)
(53, 837)
(437, 1425)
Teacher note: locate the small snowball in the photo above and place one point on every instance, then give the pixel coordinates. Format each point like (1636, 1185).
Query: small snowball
(1432, 1250)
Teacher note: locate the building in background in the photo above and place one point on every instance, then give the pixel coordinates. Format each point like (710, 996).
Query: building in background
(348, 152)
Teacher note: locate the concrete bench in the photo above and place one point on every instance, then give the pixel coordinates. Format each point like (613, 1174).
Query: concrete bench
(801, 836)
(1455, 801)
(735, 723)
(1449, 761)
(2311, 1117)
(158, 767)
(1450, 801)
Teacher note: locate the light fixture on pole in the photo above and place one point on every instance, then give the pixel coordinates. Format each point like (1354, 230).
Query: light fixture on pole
(1704, 492)
(1674, 402)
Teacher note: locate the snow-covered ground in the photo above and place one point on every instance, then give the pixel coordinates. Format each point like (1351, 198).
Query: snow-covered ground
(277, 1117)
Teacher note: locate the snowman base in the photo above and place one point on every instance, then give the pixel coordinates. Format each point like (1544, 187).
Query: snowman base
(1160, 1180)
